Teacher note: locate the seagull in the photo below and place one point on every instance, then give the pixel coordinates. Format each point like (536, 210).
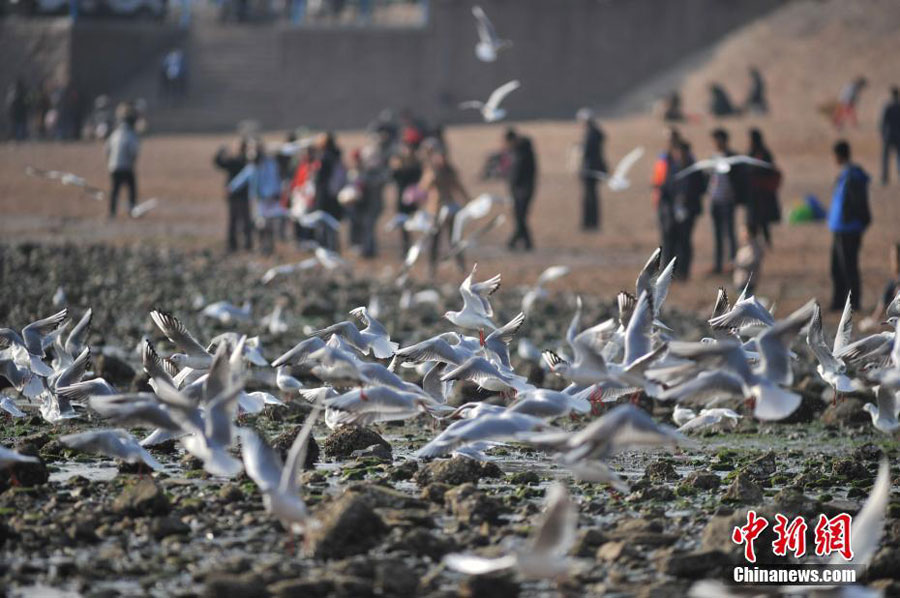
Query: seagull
(374, 338)
(226, 312)
(194, 356)
(143, 207)
(8, 405)
(284, 269)
(884, 414)
(722, 164)
(476, 312)
(476, 209)
(538, 292)
(210, 431)
(115, 443)
(299, 354)
(585, 452)
(549, 404)
(318, 218)
(832, 370)
(708, 418)
(274, 321)
(483, 423)
(491, 110)
(134, 409)
(545, 554)
(279, 484)
(682, 415)
(28, 348)
(489, 45)
(747, 312)
(487, 376)
(619, 180)
(363, 407)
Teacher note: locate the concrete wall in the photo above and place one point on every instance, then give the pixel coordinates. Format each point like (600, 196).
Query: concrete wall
(98, 56)
(105, 55)
(567, 53)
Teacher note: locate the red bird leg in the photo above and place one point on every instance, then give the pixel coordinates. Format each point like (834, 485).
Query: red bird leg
(481, 336)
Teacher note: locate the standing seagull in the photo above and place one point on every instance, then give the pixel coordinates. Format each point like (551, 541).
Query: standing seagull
(489, 44)
(491, 110)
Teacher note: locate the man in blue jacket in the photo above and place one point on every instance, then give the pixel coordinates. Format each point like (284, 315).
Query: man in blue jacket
(848, 218)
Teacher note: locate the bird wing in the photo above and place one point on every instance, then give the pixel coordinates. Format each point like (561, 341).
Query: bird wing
(33, 334)
(648, 273)
(476, 369)
(296, 457)
(815, 338)
(707, 385)
(346, 330)
(845, 328)
(433, 349)
(698, 165)
(556, 532)
(721, 306)
(299, 352)
(475, 209)
(775, 342)
(868, 525)
(486, 32)
(471, 105)
(552, 273)
(76, 370)
(471, 564)
(78, 336)
(500, 93)
(261, 462)
(661, 287)
(742, 159)
(637, 334)
(506, 332)
(743, 313)
(575, 324)
(219, 414)
(175, 331)
(627, 162)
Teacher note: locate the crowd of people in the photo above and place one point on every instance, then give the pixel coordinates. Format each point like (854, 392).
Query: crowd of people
(44, 111)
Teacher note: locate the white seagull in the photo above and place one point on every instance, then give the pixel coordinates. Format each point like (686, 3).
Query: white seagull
(491, 110)
(489, 44)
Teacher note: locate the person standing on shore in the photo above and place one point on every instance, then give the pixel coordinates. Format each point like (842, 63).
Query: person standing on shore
(121, 157)
(726, 190)
(238, 199)
(848, 218)
(890, 134)
(592, 161)
(522, 177)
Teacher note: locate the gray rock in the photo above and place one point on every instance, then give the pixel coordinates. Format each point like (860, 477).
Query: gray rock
(142, 499)
(694, 565)
(456, 471)
(221, 585)
(346, 527)
(341, 443)
(472, 506)
(743, 490)
(163, 527)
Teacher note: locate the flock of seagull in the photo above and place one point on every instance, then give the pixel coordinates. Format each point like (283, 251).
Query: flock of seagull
(361, 377)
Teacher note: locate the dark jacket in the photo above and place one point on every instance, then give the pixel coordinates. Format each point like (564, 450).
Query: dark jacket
(890, 122)
(763, 183)
(681, 193)
(592, 157)
(232, 165)
(849, 210)
(326, 199)
(523, 165)
(739, 179)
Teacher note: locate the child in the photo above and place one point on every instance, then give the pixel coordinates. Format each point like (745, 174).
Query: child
(747, 261)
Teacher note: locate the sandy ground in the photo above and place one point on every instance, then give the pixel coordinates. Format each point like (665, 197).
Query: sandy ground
(807, 51)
